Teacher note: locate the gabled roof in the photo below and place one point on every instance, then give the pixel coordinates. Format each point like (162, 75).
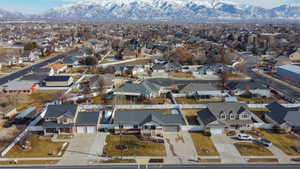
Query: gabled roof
(54, 111)
(57, 78)
(243, 85)
(227, 108)
(281, 114)
(87, 118)
(198, 87)
(206, 116)
(140, 117)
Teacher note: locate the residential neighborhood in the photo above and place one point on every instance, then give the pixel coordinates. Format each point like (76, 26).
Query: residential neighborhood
(89, 93)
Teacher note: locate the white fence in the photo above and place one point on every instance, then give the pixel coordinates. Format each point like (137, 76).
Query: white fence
(23, 134)
(192, 128)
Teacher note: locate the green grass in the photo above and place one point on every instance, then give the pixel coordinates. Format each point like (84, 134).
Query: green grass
(135, 147)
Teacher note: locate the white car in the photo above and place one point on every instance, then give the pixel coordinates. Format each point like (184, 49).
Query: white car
(244, 137)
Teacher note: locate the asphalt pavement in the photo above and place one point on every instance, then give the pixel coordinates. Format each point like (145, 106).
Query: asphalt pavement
(198, 166)
(251, 61)
(34, 67)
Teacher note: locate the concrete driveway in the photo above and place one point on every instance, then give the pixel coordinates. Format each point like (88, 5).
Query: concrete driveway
(84, 148)
(179, 146)
(226, 149)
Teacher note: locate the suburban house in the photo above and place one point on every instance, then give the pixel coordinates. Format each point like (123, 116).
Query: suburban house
(58, 81)
(202, 90)
(58, 67)
(283, 117)
(20, 86)
(87, 122)
(134, 90)
(166, 67)
(60, 119)
(219, 118)
(212, 69)
(67, 119)
(242, 87)
(147, 122)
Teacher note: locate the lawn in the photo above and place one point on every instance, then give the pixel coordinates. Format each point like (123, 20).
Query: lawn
(203, 144)
(37, 99)
(191, 116)
(263, 160)
(257, 100)
(29, 162)
(282, 141)
(135, 147)
(41, 147)
(138, 62)
(182, 75)
(250, 149)
(76, 70)
(184, 100)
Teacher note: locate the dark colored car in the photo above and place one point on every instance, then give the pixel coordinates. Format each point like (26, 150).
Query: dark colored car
(263, 142)
(296, 149)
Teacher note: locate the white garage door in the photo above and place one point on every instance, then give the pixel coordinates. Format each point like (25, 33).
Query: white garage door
(81, 130)
(91, 129)
(216, 131)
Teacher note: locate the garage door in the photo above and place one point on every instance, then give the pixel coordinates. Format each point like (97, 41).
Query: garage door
(81, 130)
(91, 129)
(216, 131)
(171, 128)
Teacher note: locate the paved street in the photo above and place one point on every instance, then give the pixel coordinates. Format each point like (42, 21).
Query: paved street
(251, 61)
(35, 67)
(238, 166)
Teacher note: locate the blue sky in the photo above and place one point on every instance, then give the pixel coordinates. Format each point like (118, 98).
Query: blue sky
(37, 6)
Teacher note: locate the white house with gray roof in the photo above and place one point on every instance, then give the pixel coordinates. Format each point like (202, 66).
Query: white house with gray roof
(284, 117)
(153, 122)
(219, 118)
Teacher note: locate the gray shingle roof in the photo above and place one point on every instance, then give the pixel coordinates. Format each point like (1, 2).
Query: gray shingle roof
(140, 117)
(198, 87)
(243, 85)
(54, 111)
(87, 118)
(281, 114)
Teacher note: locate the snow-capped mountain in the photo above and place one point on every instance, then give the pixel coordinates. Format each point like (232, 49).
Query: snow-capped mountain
(4, 14)
(172, 10)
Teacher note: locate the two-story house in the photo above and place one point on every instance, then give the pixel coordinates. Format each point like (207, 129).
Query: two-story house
(218, 118)
(60, 119)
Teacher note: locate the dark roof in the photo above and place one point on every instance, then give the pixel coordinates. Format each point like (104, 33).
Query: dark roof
(70, 59)
(57, 78)
(50, 124)
(243, 85)
(140, 117)
(34, 77)
(87, 118)
(281, 114)
(206, 116)
(54, 111)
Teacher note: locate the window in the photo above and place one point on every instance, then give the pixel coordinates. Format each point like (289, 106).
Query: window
(244, 116)
(135, 126)
(121, 126)
(223, 116)
(232, 116)
(153, 127)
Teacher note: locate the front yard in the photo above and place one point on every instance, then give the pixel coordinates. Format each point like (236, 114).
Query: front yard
(182, 75)
(40, 147)
(257, 100)
(133, 146)
(203, 144)
(282, 141)
(250, 149)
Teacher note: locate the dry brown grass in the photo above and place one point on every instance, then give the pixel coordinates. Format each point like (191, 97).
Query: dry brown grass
(263, 160)
(204, 145)
(250, 149)
(182, 75)
(29, 162)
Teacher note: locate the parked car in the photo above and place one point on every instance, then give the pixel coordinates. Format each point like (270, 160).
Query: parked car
(263, 142)
(245, 137)
(296, 149)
